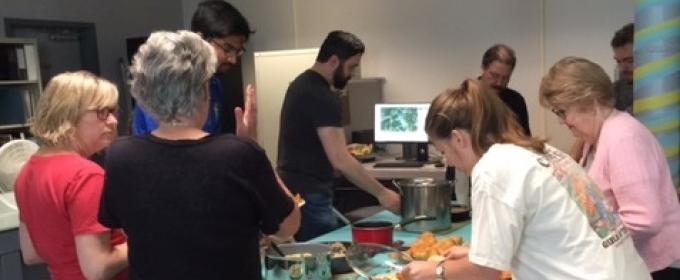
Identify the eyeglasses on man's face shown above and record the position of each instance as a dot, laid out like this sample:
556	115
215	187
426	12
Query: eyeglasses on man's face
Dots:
104	112
229	49
561	113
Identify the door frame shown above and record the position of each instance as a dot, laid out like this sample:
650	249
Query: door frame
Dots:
89	55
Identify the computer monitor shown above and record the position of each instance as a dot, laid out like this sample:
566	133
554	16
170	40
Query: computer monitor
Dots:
403	123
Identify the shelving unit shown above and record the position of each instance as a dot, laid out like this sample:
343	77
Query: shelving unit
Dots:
20	84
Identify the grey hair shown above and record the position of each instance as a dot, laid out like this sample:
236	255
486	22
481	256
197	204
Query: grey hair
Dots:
169	74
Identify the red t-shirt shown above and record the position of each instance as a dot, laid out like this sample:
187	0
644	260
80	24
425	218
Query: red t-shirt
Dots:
58	198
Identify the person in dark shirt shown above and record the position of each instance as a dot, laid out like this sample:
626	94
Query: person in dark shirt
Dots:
498	63
227	30
312	143
622	45
192	204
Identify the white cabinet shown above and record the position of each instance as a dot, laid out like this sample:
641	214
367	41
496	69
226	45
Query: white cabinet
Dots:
275	70
20	83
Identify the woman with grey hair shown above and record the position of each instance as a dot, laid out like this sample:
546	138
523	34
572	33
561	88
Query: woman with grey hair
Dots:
192	204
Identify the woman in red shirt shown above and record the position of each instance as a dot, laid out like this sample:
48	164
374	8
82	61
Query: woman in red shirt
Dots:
58	190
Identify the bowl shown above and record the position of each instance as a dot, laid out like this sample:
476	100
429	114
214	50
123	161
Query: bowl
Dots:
339	263
374	260
302	261
459	212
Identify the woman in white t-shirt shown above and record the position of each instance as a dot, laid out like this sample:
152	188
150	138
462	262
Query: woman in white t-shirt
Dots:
535	211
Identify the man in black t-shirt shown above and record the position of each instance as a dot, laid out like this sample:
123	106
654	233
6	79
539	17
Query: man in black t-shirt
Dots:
498	63
312	143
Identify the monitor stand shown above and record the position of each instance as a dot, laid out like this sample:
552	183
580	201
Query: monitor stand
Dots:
415	152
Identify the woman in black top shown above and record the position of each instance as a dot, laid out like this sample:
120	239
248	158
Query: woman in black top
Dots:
193	205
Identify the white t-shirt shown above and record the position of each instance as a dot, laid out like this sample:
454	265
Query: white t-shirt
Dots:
542	217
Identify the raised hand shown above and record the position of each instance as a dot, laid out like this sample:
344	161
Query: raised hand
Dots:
246	120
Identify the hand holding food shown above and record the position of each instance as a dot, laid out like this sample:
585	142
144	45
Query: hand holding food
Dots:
506	275
420	270
456	252
299	201
427	247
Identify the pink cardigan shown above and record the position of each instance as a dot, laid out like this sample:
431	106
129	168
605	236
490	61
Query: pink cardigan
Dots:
631	169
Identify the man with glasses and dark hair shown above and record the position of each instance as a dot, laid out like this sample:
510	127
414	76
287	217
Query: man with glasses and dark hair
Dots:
227	30
312	143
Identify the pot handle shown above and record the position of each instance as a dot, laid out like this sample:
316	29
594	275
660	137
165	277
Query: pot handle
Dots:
340	216
394	183
416	219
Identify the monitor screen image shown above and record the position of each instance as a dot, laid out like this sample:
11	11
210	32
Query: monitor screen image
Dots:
401	123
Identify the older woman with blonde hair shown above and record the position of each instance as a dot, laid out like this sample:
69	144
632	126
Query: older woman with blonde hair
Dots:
535	211
622	156
58	190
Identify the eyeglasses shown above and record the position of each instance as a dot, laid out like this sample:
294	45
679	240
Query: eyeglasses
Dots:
561	113
627	60
229	49
104	113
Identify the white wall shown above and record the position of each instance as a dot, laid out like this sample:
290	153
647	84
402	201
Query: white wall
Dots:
423	47
581	28
114	21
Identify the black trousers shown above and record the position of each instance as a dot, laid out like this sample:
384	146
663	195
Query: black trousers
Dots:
668	273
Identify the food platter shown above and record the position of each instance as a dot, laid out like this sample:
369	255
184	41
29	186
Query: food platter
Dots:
372	260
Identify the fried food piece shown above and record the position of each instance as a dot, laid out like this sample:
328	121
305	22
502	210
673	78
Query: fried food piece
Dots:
435	258
426	247
457	240
359	150
419	253
338	250
506	275
299	201
442	246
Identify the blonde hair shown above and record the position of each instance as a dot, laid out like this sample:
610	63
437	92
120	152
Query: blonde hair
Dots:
474	107
576	81
66	98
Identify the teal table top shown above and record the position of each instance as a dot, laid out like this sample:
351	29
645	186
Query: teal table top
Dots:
345	233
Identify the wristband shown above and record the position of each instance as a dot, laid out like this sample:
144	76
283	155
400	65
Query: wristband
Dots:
440	270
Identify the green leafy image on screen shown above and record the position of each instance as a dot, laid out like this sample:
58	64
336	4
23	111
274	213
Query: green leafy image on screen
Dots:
399	119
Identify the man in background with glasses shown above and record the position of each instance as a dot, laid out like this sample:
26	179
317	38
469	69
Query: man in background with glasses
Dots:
498	63
227	30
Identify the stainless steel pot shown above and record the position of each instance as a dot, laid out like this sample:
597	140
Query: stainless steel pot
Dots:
428	197
302	261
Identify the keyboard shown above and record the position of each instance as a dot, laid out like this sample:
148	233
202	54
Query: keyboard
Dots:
399	164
